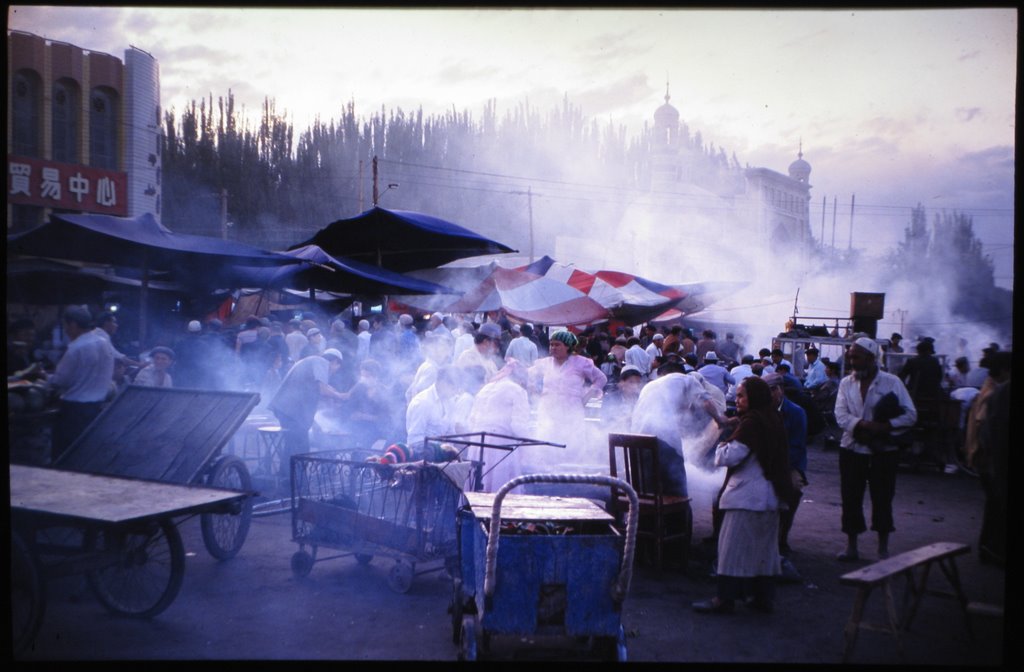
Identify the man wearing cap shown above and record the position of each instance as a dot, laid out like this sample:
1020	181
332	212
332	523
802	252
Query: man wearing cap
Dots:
522	348
483	351
653	350
636	356
867	457
82	378
363	346
189	360
296	401
815	370
617	404
715	373
155	373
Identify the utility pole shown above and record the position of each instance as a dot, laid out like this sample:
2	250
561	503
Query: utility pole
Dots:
529	201
224	214
853	198
360	185
823	205
376	195
834	205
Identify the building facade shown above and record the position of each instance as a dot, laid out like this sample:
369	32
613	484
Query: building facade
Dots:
771	206
83	131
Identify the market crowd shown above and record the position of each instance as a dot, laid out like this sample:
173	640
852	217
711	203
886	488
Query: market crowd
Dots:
370	383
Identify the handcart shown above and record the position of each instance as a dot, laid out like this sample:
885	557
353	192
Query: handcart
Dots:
542	565
472	445
404	511
127	544
174	436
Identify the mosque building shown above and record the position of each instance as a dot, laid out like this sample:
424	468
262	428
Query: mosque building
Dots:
705	198
84	131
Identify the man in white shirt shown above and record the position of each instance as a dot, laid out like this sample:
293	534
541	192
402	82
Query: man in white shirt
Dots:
637	356
295	339
867	455
82	377
430	412
363	345
815	370
522	348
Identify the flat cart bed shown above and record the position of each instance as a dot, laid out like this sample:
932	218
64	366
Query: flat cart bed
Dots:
119	532
75	497
537	507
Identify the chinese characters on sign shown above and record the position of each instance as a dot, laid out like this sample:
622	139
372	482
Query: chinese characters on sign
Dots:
44	183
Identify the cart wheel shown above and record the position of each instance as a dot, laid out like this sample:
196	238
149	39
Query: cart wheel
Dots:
224	533
302	564
467	639
28	596
400	577
143	571
363	558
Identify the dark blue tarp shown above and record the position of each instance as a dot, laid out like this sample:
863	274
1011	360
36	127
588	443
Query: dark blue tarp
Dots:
401	240
329	273
139	242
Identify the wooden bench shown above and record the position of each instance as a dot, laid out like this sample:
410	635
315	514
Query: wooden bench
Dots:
918	561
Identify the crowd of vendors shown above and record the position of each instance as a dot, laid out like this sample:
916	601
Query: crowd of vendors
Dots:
387	382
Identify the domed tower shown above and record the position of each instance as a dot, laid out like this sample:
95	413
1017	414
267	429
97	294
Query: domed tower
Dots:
664	146
800	170
666	124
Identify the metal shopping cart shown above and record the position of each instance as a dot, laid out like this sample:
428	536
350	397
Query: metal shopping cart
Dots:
403	511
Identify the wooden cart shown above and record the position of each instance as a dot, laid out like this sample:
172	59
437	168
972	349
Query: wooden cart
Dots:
119	532
173	436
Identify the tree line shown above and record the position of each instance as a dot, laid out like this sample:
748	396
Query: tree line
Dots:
282	186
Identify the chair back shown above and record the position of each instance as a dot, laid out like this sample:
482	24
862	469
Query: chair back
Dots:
640	466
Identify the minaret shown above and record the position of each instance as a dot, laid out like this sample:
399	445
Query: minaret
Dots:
800	170
664	146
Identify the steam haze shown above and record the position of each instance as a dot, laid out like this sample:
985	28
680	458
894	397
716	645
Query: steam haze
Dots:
896	107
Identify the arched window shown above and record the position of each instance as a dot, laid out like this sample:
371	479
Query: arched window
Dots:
66	113
103	124
27	113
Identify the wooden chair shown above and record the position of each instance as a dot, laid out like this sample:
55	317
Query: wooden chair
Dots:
663	518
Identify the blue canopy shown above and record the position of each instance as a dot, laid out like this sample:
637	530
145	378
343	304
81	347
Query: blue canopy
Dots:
328	273
139	242
401	240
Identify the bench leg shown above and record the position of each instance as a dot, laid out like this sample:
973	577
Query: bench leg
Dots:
915	591
948	567
894	620
853	625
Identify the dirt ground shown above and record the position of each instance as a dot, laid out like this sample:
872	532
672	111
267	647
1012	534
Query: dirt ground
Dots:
253	608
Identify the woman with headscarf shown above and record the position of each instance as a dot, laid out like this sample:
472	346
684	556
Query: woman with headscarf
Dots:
561	384
757	482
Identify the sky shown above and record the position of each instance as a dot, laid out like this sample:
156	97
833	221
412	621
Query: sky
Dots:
891	107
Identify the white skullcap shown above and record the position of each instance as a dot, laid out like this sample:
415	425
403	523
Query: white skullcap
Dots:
195	327
869	345
332	352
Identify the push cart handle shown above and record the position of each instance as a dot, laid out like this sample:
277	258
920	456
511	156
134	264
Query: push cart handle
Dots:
621	587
